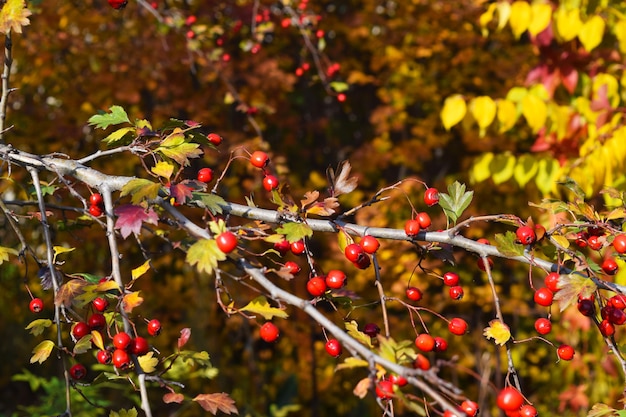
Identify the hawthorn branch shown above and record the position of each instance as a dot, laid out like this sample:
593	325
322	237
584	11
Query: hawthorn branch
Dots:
6	73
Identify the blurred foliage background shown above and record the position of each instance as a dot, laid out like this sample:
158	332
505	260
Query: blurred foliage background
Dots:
400	60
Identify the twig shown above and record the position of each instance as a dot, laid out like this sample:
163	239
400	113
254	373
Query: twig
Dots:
6	73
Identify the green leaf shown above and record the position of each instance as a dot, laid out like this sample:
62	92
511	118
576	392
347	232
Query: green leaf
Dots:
339	86
211	202
205	255
352	362
103	120
295	231
603	410
177	148
118	135
140	189
396	352
260	306
506	244
37	327
42	351
353	330
124	413
192	357
456	201
83	345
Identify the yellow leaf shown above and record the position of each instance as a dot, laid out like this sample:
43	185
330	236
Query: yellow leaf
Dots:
498	331
483	109
620	32
547	175
541	16
525	169
205	255
260	306
58	250
504	13
163	169
502	167
535	112
591	33
570	287
352	362
353	330
454	109
37	327
42	351
481	169
96	339
487	17
140	189
612	87
131	300
140	270
148	362
13	16
520	17
561	240
568	23
107	286
5	252
507	115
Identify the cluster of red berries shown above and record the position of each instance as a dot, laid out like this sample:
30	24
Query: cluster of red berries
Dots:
96	205
358	253
511	401
596	239
297	248
260	159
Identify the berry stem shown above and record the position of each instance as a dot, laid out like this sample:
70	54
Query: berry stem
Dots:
381	294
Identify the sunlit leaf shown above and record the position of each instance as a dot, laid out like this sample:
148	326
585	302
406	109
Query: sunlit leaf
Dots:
96	339
362	388
185	334
131	217
454	109
498	331
541	17
42	351
455	201
148	362
570	287
295	231
352	362
591	33
123	413
483	110
217	402
205	255
506	244
502	167
140	270
5	252
38	326
481	169
173	397
260	306
211	202
118	135
535	112
507	115
83	345
68	291
140	189
547	174
525	169
13	16
353	330
340	181
115	116
568	22
163	169
561	240
131	300
521	15
177	148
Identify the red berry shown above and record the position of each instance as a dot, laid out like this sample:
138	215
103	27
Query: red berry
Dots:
413	294
384	389
335	279
363	262
341	97
96	321
398	380
190	20
354	252
259	159
283	246
470	408
552	281
543	326
269	332
214	138
431	196
565	352
292	267
421	362
509	399
297	247
606	328
457	326
528	411
100	304
104	357
581	239
609	266
451	279
424	220
205	175
78	371
594	242
619	243
425	342
456	292
448	413
117	4
369	244
95	199
441	344
120	358
333	348
412	228
139	346
481	264
316	286
526	235
121	340
617	316
543	297
586	307
36	305
81	329
226	242
270	182
95	211
154	327
618	301
371	329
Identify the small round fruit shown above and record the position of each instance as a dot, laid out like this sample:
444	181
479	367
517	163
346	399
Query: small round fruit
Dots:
282	247
36	305
618	301
81	329
205	175
269	332
354	252
362	263
78	371
509	399
333	348
528	411
424	220
565	352
215	139
457	326
456	292
451	279
421	362
586	307
412	227
95	211
543	297
226	241
100	304
154	327
96	321
441	344
606	328
292	267
117	4
526	235
470	408
121	340
335	279
431	196
425	342
297	248
316	286
139	346
543	326
609	266
96	199
552	281
398	380
120	359
259	159
384	389
414	294
594	242
369	244
104	357
619	243
371	329
617	316
270	182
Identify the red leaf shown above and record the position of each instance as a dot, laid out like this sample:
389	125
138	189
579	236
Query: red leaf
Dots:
569	78
218	401
184	337
180	192
130	218
173	397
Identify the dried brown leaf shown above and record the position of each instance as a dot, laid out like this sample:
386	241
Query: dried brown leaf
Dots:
219	401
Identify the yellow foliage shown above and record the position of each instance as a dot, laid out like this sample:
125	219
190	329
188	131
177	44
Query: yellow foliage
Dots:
591	33
498	331
525	169
507	115
568	23
13	16
521	15
502	167
480	169
535	112
454	109
548	173
620	32
541	16
483	110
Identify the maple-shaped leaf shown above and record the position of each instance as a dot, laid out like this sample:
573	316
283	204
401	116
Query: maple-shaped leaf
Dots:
140	189
13	16
83	345
173	397
115	116
131	300
211	202
131	217
353	330
177	148
284	272
571	286
69	291
148	362
180	192
219	401
185	334
42	351
260	306
341	182
37	327
295	231
455	201
123	412
310	197
506	244
163	169
205	255
603	410
5	252
498	331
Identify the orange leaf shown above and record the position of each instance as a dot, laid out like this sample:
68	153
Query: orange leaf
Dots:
173	397
131	301
68	291
219	401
